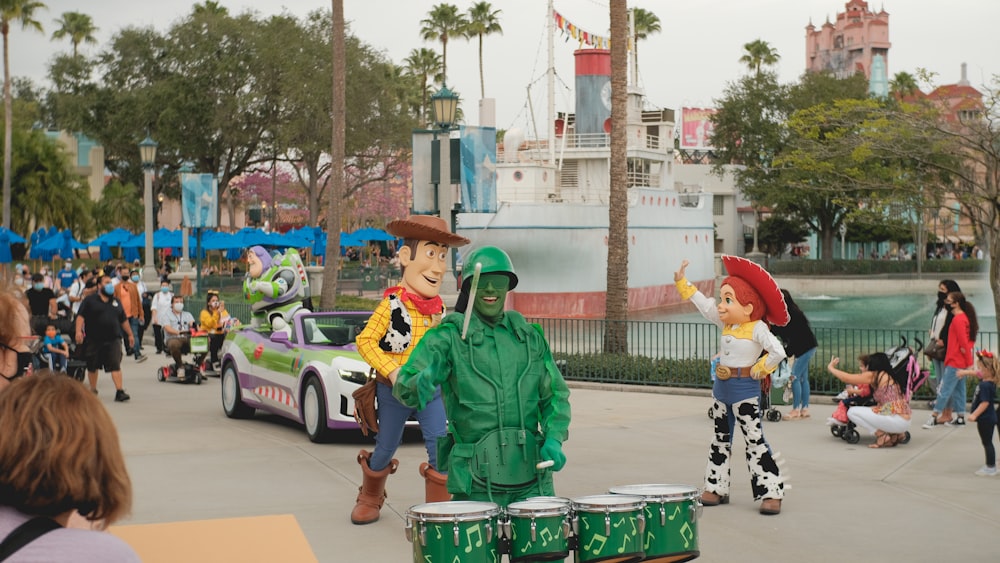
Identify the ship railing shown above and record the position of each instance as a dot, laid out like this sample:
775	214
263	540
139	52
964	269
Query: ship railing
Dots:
643	179
533	150
678	354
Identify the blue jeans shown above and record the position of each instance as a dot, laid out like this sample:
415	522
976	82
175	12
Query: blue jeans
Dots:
952	389
133	323
392	417
800	379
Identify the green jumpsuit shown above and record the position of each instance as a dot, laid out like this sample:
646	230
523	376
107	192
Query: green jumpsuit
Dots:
503	395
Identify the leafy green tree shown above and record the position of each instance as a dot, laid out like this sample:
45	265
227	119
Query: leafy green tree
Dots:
45	192
903	84
778	231
645	24
120	206
758	54
18	12
443	22
482	20
425	65
79	27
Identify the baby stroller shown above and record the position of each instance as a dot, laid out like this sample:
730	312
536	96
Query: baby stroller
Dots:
903	360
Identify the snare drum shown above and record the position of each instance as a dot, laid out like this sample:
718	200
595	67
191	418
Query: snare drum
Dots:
538	529
672	513
609	528
454	531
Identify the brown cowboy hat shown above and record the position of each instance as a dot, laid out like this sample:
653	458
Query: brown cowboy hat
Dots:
425	227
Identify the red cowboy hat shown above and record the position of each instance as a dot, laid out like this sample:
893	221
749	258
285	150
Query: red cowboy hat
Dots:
425	227
753	274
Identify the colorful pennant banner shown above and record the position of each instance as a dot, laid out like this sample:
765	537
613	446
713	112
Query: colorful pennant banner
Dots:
570	29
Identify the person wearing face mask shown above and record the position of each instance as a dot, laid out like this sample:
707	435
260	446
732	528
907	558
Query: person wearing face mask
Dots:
507	403
100	324
15	333
212	319
159	307
128	293
42	303
67	275
177	326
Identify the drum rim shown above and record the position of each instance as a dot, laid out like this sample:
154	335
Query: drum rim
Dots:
623	503
634	490
486	510
545	507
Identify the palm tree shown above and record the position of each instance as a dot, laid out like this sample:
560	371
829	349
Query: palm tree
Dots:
645	23
78	27
759	53
483	20
442	22
903	84
424	63
338	146
212	8
12	11
616	303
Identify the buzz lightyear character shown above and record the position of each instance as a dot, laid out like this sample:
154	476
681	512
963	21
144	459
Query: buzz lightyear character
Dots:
275	286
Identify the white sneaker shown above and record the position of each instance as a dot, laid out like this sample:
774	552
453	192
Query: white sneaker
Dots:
987	471
931	422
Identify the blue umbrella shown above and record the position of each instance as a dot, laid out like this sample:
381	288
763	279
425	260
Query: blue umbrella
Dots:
12	236
112	238
161	239
288	240
371	233
105	252
131	254
5	257
249	236
62	244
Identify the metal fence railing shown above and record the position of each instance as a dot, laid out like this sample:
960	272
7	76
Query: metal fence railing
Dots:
661	353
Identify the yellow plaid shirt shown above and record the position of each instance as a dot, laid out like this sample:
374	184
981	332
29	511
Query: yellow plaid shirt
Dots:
368	341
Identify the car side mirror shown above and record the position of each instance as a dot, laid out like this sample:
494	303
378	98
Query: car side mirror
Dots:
280	337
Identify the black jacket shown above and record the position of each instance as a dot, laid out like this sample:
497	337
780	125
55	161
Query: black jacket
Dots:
797	335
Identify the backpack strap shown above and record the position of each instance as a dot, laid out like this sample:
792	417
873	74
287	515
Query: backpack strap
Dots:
25	534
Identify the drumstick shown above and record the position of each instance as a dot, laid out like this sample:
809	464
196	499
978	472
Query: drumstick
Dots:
472	298
544	464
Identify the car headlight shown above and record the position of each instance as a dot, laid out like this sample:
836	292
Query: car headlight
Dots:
358	377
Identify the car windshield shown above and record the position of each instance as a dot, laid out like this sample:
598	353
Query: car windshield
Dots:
332	330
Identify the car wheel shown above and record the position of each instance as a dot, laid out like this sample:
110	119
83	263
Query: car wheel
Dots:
232	400
314	413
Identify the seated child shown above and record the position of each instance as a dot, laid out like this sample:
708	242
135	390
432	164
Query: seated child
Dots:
57	348
853	395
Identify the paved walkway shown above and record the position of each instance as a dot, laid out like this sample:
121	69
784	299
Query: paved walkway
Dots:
189	462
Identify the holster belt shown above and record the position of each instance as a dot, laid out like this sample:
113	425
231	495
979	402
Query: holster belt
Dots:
726	372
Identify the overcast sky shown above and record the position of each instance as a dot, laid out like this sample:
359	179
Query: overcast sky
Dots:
687	64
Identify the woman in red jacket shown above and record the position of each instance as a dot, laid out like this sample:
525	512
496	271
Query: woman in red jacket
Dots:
961	343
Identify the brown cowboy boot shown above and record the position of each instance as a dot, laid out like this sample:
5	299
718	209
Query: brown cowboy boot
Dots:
435	488
371	493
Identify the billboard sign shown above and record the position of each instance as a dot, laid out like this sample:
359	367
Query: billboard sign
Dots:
199	200
696	128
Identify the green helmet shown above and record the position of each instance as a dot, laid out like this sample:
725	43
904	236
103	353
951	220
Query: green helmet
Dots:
494	261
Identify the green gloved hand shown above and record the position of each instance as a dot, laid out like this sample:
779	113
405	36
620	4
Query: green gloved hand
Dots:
552	450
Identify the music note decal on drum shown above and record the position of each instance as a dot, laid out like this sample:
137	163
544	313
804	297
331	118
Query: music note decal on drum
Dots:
479	537
687	534
677	512
598	549
546	540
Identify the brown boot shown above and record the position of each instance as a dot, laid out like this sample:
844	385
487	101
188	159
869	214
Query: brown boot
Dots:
371	493
770	506
435	483
708	498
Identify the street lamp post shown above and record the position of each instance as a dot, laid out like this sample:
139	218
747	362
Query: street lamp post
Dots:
147	153
444	105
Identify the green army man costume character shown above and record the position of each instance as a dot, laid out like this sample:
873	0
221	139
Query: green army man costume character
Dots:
507	403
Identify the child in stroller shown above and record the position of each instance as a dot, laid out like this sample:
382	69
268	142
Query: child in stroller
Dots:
905	367
853	395
54	351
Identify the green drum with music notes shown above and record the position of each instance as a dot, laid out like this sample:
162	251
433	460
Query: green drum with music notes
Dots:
445	532
609	528
538	529
671	513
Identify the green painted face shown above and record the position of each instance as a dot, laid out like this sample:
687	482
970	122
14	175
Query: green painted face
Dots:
491	296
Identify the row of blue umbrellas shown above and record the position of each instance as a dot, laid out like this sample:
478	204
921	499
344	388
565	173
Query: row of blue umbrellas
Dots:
47	244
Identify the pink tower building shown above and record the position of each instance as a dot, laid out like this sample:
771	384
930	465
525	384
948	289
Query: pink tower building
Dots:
847	46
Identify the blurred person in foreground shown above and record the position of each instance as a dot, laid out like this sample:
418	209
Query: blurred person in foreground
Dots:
15	335
62	462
